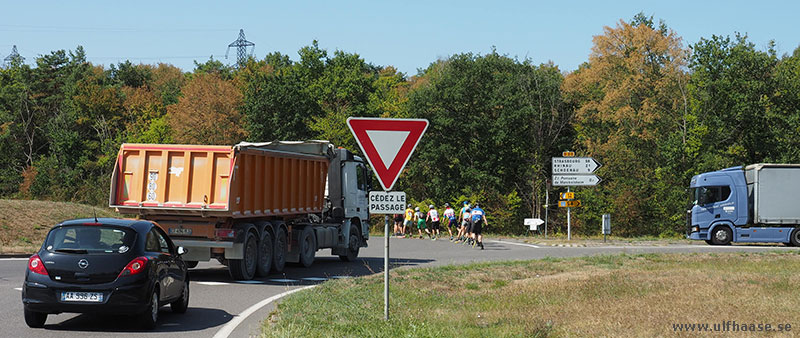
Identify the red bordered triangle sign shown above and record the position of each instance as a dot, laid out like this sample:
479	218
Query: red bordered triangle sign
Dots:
387	144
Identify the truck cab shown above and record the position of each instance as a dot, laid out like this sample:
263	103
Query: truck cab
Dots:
719	202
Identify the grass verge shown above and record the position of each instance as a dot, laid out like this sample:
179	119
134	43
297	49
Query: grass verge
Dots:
24	223
617	295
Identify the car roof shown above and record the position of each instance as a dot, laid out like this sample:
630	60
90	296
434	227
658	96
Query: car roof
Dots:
135	224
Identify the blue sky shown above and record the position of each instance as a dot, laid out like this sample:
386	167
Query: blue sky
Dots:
406	34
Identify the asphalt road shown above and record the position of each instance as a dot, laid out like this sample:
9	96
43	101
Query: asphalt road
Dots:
216	299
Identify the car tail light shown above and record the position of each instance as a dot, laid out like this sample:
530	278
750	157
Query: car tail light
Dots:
36	265
135	266
225	233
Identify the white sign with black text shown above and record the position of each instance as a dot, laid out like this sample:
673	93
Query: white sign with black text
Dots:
383	202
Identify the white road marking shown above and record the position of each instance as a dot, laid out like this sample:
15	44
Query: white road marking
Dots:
213	283
18	289
315	279
341	277
14	259
520	244
249	282
226	330
283	280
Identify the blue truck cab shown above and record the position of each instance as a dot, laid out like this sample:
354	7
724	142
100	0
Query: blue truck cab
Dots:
757	203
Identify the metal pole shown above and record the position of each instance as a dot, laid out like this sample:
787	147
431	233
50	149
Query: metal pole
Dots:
546	208
569	223
386	272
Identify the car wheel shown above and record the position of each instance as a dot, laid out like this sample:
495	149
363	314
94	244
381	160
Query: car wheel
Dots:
181	304
279	252
265	252
150	317
352	249
35	319
245	268
308	247
795	239
191	264
722	235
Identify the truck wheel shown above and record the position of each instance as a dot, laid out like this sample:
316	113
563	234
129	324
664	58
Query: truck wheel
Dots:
722	236
352	250
264	255
245	268
279	252
795	239
191	264
308	247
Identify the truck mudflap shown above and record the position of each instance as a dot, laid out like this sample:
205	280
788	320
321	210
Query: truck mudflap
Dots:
201	250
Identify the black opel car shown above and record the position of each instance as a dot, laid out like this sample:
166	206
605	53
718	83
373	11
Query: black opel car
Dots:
106	265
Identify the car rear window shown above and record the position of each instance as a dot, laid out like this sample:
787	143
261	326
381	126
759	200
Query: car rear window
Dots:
85	239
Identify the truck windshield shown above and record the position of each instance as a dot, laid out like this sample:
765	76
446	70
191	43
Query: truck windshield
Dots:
711	194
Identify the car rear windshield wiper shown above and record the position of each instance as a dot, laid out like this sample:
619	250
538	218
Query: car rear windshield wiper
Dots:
77	251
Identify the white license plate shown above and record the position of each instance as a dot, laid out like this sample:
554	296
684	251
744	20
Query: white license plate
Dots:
180	231
93	297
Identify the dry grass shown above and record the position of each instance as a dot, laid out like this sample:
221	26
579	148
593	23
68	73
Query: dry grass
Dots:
621	295
23	223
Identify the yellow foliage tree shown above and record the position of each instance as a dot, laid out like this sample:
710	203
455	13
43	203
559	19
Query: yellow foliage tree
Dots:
208	112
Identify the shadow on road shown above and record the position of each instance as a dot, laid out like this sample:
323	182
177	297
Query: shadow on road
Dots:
195	319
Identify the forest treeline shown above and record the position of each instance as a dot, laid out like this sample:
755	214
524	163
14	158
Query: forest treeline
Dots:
652	110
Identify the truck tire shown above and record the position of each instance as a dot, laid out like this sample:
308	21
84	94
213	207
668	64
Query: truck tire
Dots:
722	235
279	251
308	246
795	239
265	253
245	268
352	249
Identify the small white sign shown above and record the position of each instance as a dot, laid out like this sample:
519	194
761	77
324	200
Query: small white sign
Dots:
606	224
382	202
573	180
533	223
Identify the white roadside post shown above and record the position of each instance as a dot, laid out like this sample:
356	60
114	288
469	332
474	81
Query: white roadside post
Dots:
388	145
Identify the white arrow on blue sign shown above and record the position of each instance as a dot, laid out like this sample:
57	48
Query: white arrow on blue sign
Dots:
574	165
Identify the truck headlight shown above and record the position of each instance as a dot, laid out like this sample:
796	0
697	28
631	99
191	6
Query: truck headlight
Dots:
695	229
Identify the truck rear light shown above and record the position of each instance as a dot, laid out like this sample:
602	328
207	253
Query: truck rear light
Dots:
135	266
36	266
225	233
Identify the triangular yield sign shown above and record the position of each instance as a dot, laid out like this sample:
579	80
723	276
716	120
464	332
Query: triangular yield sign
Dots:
387	144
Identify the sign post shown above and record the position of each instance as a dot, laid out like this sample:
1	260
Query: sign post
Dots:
573	171
387	144
606	226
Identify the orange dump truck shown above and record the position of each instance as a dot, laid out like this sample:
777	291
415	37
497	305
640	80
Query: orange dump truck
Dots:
252	206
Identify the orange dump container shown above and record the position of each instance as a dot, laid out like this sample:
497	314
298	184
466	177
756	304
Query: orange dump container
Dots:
222	181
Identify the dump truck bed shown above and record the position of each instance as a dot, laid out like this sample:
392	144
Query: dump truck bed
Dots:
245	180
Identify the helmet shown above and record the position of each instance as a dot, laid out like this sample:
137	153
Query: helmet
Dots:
430	206
477	205
447	205
409	205
466	203
416	209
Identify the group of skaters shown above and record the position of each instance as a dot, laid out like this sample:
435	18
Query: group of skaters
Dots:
465	227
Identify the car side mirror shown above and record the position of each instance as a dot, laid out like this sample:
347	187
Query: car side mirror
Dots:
182	250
